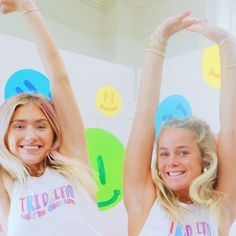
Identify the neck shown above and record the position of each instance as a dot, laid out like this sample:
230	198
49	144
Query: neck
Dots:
185	198
37	170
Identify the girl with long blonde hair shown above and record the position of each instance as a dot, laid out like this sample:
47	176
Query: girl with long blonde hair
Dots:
46	185
192	184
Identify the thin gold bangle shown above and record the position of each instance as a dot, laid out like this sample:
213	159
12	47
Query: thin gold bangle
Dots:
29	10
228	67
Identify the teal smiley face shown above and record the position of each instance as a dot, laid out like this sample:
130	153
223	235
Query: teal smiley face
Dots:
106	154
172	106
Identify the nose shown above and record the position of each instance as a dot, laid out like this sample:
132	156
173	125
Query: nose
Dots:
30	134
173	160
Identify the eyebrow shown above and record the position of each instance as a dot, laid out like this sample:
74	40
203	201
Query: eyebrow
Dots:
23	121
178	147
183	146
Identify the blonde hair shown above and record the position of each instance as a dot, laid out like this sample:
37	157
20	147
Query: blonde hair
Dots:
69	167
202	188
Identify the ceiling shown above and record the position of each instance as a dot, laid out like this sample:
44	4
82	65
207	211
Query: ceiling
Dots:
104	3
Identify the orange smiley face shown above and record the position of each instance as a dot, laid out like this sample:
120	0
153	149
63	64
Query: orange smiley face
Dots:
108	101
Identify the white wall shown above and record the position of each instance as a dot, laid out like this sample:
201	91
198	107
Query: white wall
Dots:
117	30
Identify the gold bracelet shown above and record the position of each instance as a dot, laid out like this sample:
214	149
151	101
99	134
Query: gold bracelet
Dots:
227	40
157	47
156	51
228	67
29	10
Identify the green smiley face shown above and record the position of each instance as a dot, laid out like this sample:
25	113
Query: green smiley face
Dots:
106	154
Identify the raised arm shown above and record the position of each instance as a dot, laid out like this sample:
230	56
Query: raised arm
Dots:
226	143
139	189
73	134
227	135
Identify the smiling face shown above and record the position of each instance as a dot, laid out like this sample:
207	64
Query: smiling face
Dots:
106	153
179	160
30	136
108	101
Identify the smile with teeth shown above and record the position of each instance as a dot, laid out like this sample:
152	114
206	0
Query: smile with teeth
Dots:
30	147
175	173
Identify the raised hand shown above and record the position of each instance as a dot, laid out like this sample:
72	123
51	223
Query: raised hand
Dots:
213	33
8	6
174	24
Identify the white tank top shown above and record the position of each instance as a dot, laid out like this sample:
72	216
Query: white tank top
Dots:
232	231
50	205
196	222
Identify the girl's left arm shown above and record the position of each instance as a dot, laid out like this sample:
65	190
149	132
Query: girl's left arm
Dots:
226	139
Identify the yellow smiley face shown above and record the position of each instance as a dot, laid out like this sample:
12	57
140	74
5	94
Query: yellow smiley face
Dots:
211	67
108	101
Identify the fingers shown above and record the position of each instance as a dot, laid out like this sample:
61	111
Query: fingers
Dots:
184	20
198	26
183	15
189	21
7	6
5	2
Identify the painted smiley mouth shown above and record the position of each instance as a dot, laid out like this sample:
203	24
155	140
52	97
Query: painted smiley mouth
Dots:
115	196
108	109
214	74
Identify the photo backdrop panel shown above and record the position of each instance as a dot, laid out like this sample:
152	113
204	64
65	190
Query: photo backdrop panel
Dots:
190	86
186	76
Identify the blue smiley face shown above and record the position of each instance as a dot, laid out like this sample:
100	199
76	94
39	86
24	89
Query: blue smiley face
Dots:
27	81
172	106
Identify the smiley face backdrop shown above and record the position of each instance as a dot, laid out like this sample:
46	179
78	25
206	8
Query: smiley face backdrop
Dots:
190	86
107	94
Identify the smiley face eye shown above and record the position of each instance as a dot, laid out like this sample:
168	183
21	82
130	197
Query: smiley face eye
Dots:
101	170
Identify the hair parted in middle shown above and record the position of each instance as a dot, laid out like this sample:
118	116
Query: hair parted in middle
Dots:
67	166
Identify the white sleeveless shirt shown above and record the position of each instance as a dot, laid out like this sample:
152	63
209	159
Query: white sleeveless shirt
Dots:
51	205
232	231
196	222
